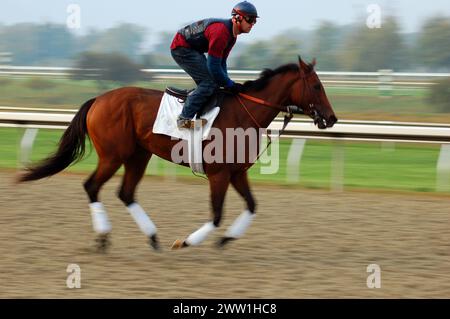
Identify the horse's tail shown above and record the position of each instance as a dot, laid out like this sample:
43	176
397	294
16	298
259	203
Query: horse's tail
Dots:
71	148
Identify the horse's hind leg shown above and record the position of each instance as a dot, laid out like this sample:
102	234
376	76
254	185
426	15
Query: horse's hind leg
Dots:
240	225
134	170
105	170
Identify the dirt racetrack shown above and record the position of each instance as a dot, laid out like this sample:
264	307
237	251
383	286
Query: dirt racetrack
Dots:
303	243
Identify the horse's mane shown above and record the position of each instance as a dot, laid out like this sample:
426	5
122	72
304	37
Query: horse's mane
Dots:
267	75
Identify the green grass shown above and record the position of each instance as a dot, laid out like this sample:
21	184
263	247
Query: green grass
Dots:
348	103
63	93
404	167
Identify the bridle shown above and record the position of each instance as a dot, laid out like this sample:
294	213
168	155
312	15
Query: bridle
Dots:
314	113
290	109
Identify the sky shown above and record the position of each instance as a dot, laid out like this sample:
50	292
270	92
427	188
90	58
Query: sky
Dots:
170	15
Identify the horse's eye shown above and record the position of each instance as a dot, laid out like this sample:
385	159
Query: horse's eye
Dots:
318	87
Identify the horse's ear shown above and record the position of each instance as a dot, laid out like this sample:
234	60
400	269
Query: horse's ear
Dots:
301	64
314	62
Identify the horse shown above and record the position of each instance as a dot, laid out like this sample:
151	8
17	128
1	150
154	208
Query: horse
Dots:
119	123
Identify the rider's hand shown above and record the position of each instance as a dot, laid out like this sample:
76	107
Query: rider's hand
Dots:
236	88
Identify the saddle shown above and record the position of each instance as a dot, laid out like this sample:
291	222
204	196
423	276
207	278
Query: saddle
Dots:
214	101
181	94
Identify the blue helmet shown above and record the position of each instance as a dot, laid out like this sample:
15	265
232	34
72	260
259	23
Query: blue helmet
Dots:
245	9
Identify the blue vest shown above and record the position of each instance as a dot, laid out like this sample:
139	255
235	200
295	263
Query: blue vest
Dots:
195	33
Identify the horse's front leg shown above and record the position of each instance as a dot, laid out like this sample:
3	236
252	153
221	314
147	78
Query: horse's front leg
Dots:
240	225
218	184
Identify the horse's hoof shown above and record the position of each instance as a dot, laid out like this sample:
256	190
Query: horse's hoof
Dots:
178	244
102	243
223	241
154	243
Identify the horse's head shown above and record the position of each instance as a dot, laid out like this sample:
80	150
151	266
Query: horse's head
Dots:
309	94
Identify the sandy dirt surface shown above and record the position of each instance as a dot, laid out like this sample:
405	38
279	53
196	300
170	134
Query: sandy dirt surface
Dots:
303	243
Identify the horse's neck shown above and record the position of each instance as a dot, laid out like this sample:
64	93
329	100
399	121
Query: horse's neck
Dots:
276	93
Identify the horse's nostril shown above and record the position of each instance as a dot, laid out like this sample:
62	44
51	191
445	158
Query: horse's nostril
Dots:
331	121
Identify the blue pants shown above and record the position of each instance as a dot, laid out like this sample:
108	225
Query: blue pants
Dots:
194	63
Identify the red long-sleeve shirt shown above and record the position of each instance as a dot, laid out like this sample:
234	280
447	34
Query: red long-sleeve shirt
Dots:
218	37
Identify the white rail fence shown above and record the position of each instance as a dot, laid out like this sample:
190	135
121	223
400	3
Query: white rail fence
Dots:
383	79
299	130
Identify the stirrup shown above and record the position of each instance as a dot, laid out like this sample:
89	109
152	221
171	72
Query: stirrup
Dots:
190	124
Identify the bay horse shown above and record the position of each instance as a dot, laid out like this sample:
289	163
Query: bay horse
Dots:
119	124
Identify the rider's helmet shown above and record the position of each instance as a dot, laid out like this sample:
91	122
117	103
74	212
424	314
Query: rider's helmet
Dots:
245	9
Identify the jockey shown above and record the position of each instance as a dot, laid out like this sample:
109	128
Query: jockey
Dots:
215	37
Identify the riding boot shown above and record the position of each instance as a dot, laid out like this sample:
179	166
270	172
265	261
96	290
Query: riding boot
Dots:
183	122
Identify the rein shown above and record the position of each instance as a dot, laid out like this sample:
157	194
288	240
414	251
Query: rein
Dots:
287	118
290	110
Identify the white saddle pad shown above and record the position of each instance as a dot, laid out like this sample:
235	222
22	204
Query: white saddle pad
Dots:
166	123
166	120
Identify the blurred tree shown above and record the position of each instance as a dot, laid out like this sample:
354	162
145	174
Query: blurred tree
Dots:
148	60
302	38
325	46
153	60
32	44
284	50
107	67
125	39
374	49
256	56
345	48
268	54
160	56
433	48
164	42
88	40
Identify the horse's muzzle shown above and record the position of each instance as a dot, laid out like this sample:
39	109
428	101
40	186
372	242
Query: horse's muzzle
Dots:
320	122
323	123
331	121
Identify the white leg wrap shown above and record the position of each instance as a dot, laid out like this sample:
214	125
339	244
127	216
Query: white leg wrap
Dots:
142	220
100	218
240	225
200	235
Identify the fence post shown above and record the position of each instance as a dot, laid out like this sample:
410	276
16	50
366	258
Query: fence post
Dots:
26	146
271	155
294	159
337	167
443	169
385	83
388	146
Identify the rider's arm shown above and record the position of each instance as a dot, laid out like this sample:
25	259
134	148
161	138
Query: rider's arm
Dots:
224	66
218	36
218	72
